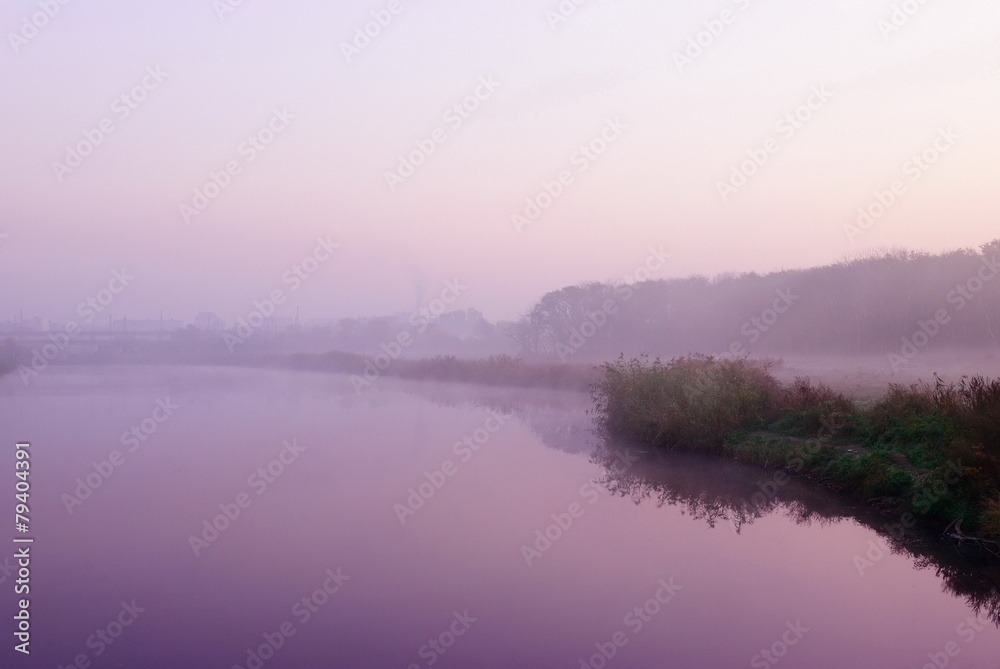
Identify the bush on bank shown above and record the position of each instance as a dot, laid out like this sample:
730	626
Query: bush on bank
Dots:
692	401
933	450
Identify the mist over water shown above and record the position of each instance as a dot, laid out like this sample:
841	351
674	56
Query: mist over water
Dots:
535	535
534	334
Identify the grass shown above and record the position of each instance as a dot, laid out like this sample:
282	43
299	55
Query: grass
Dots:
694	400
933	451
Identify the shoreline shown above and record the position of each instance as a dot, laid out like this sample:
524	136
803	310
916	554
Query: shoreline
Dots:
923	453
927	455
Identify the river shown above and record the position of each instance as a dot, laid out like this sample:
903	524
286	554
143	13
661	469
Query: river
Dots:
204	517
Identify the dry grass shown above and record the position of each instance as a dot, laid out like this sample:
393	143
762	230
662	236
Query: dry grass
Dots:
694	400
892	448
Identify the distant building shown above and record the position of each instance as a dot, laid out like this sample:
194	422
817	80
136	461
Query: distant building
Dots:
141	325
320	323
209	321
462	323
28	325
279	323
154	325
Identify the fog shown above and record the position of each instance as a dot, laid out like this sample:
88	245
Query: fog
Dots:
220	71
891	316
542	333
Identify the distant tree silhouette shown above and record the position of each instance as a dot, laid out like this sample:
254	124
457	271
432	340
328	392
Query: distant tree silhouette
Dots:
866	304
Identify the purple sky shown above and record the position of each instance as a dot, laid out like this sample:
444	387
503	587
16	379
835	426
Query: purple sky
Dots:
673	129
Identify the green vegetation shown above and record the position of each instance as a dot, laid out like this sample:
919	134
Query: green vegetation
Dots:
930	451
694	401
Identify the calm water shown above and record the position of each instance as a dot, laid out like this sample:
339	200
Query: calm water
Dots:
329	562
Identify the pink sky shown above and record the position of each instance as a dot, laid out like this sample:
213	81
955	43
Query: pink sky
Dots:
555	88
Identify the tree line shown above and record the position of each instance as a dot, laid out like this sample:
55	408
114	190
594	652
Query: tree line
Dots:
887	302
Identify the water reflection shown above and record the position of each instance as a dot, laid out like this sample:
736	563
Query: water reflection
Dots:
462	549
720	491
560	418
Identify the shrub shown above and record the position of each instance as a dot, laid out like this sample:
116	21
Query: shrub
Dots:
974	406
703	402
909	419
807	409
690	401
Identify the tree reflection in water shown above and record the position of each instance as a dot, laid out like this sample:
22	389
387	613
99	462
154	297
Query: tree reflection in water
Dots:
717	491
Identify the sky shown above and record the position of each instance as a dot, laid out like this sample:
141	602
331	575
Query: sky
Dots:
203	147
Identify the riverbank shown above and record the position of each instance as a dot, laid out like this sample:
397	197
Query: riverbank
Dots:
497	370
930	454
